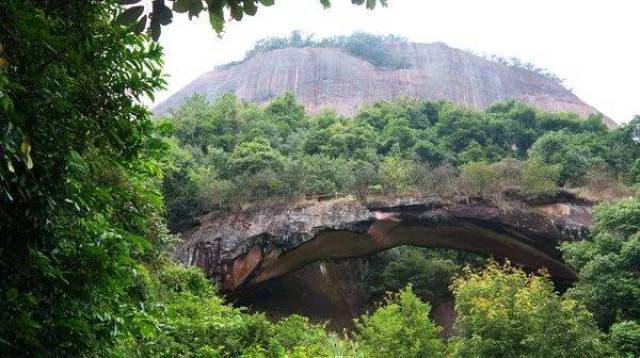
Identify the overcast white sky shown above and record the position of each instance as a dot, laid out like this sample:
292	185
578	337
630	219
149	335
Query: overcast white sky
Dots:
593	44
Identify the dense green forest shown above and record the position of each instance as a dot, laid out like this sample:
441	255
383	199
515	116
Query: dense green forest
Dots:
88	179
229	154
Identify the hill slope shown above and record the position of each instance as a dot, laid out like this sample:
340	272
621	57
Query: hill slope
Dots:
333	78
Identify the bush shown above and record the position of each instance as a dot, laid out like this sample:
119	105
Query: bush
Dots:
503	312
399	328
394	175
364	175
181	316
428	271
608	262
540	179
508	172
177	279
624	338
569	152
439	180
477	178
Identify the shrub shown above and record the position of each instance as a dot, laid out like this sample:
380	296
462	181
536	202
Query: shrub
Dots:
477	178
364	174
177	279
600	185
608	263
508	172
431	153
394	175
375	189
428	271
573	157
624	338
503	312
297	335
399	328
439	180
540	179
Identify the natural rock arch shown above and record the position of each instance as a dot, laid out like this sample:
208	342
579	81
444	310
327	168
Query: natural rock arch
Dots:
248	248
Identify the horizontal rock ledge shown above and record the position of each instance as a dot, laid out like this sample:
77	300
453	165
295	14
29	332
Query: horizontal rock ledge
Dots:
246	248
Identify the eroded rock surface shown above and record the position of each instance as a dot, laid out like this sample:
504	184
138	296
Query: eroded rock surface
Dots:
248	248
332	78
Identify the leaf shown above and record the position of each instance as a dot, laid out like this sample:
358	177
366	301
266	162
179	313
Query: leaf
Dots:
10	167
25	147
325	3
182	6
236	11
165	15
154	28
216	18
129	2
129	15
250	7
267	2
141	25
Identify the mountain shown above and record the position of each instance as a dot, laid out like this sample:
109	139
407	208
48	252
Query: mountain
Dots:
334	77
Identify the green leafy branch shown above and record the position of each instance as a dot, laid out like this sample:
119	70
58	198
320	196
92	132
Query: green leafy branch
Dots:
151	15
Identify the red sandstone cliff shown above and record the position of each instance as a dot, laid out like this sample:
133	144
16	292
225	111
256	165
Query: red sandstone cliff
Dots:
333	78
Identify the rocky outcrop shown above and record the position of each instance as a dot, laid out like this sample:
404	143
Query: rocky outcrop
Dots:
333	78
247	248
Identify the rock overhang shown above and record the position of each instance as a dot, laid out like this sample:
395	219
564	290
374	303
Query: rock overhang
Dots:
247	248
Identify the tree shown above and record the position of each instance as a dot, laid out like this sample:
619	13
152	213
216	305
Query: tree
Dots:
251	157
79	203
539	178
477	178
394	174
561	148
399	328
429	272
624	338
608	263
503	312
431	153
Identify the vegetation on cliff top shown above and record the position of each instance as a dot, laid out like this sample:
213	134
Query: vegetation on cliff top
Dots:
375	49
228	154
371	48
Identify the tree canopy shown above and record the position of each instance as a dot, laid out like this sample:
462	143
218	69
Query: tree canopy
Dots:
279	154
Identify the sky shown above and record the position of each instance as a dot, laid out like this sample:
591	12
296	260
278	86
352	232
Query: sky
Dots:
592	44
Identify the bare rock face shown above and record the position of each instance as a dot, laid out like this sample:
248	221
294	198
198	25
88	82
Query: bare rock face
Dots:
333	78
244	249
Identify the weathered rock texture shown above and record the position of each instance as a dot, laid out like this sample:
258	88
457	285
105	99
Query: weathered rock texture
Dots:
244	249
333	78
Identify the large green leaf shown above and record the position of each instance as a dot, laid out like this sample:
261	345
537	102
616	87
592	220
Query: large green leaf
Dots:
129	15
165	15
191	6
141	25
250	7
236	11
216	18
